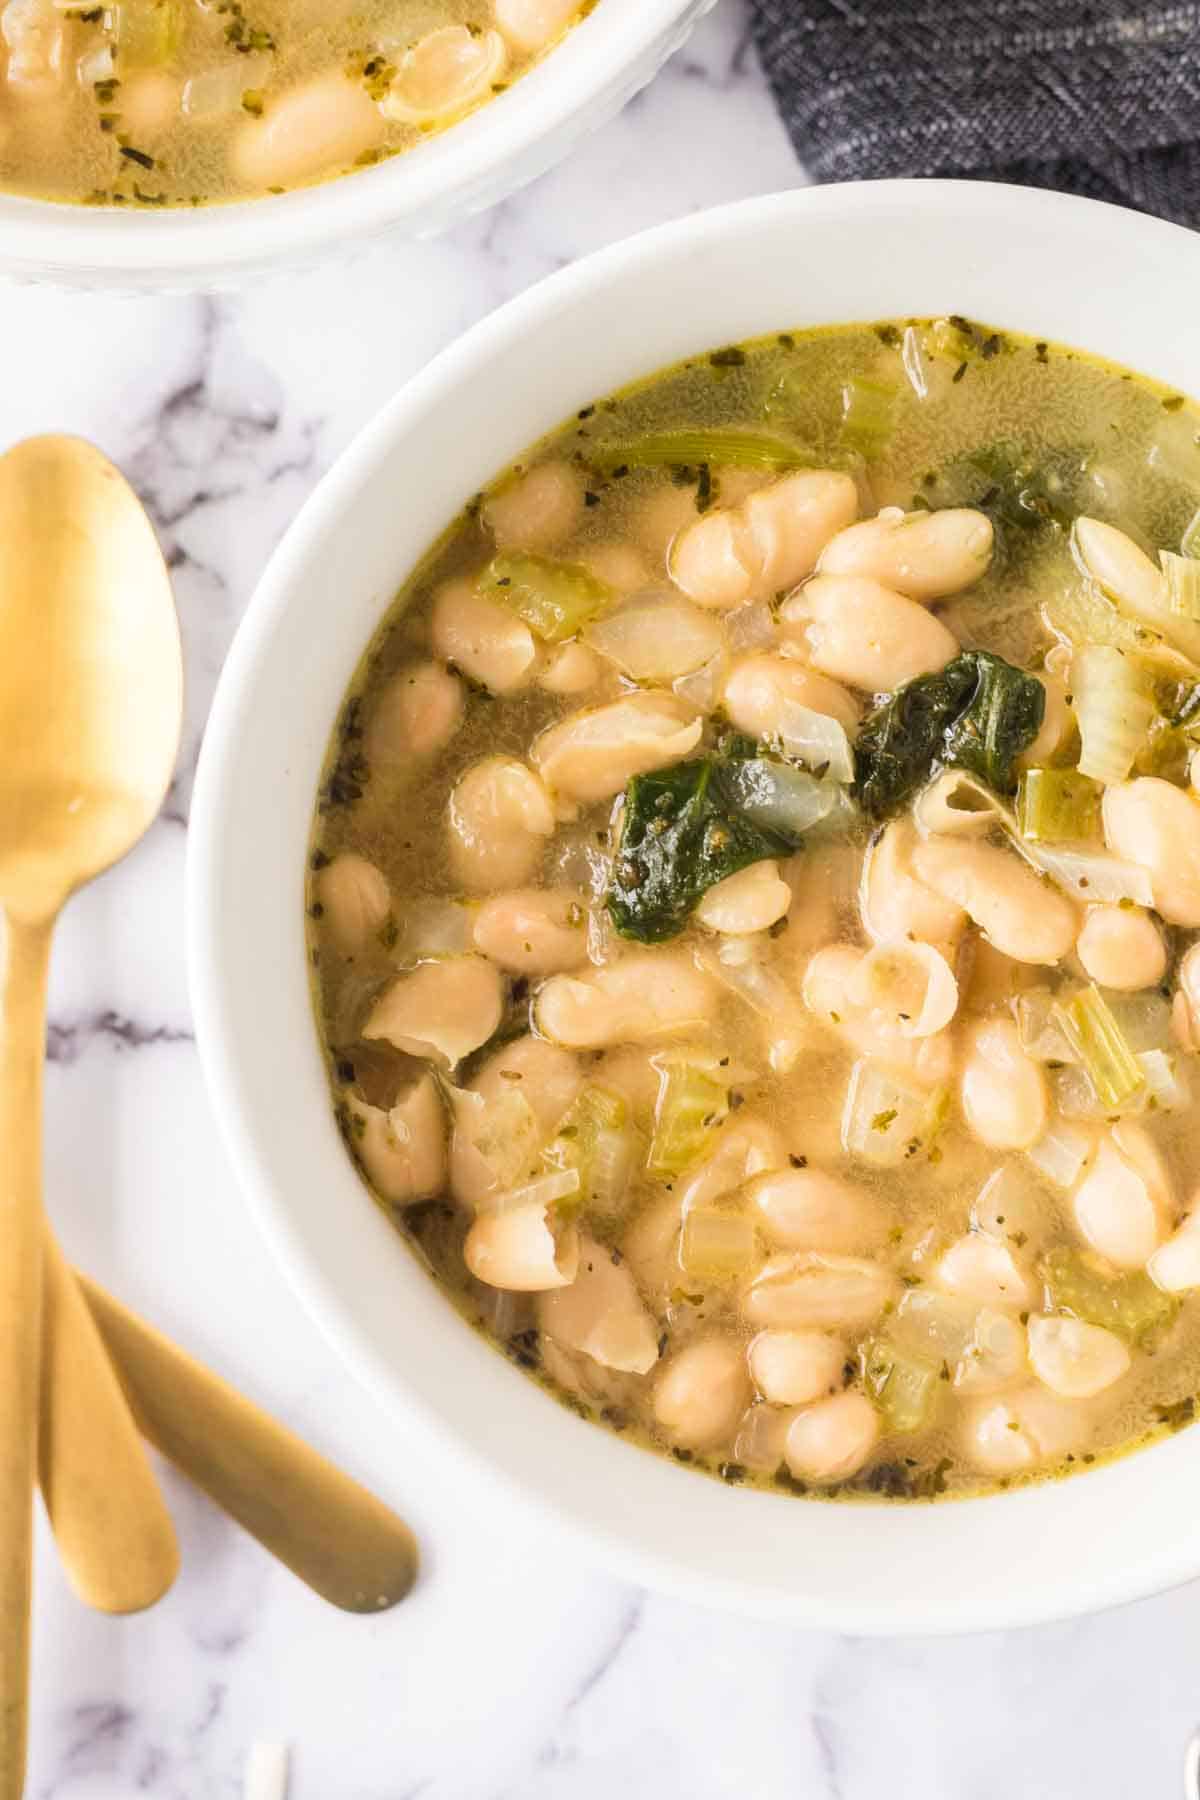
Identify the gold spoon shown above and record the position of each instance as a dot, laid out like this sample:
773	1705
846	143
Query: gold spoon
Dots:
332	1533
90	710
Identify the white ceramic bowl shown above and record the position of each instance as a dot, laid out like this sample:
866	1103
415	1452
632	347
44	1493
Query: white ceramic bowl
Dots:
1112	282
584	81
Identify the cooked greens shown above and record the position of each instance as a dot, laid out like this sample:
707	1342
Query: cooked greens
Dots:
978	713
682	830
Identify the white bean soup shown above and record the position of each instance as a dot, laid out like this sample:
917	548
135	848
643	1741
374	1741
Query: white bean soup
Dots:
754	902
177	102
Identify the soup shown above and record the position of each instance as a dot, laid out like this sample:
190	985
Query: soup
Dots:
178	102
754	903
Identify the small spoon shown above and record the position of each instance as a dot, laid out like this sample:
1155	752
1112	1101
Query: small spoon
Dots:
335	1535
90	712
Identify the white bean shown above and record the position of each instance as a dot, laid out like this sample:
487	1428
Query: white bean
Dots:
1003	1091
925	555
793	1368
444	73
894	904
592	755
818	1289
995	1357
807	1209
325	124
977	1267
641	996
571	669
765	544
355	901
416	714
828	979
833	1439
526	1251
864	634
760	689
442	1010
752	900
537	511
904	989
1138	585
529	25
1022	915
702	1393
1021	1431
533	931
602	1314
1122	947
499	819
1156	825
1074	1359
486	641
1118	1209
403	1150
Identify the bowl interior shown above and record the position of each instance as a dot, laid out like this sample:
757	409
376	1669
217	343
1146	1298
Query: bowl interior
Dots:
1017	259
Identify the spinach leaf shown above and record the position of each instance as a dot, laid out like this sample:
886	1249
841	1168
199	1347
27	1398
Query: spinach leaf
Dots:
978	714
682	831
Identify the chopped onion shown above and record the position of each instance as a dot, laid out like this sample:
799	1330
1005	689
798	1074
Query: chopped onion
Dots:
1092	875
657	637
884	1121
1144	1018
597	1139
736	965
1183	584
543	1191
96	65
1041	1036
781	797
1114	709
1166	1080
1061	1153
218	93
912	355
762	1437
815	739
428	929
1189	543
703	689
750	627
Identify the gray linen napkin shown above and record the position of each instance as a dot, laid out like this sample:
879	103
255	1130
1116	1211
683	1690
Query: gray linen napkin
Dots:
1093	96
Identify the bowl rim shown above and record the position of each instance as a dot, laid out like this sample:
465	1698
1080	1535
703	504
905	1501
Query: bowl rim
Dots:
460	170
1159	1564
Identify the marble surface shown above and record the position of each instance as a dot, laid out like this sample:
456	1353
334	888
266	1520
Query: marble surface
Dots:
514	1673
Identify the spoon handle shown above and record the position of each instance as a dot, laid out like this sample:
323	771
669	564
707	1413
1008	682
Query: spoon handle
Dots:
338	1538
110	1521
22	1049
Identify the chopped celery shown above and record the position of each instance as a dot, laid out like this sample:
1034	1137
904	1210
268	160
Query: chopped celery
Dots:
1127	1303
691	1104
597	1139
555	599
1091	1030
147	33
902	1387
715	1245
1056	806
720	447
1183	584
1114	708
1189	543
867	408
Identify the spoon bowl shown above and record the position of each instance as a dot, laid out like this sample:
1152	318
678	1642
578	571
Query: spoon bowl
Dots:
91	682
